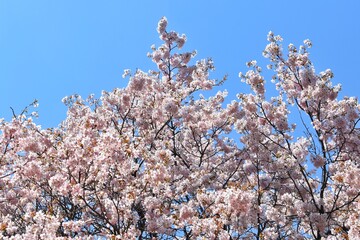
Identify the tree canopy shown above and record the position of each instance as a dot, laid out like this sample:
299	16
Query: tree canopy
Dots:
157	160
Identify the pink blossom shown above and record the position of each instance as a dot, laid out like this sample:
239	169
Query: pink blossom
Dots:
318	161
162	25
185	213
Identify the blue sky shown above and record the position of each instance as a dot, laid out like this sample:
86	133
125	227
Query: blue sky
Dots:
51	49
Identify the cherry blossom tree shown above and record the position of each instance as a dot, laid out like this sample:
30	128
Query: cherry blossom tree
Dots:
157	160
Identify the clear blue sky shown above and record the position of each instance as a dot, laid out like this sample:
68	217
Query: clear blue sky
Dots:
50	49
